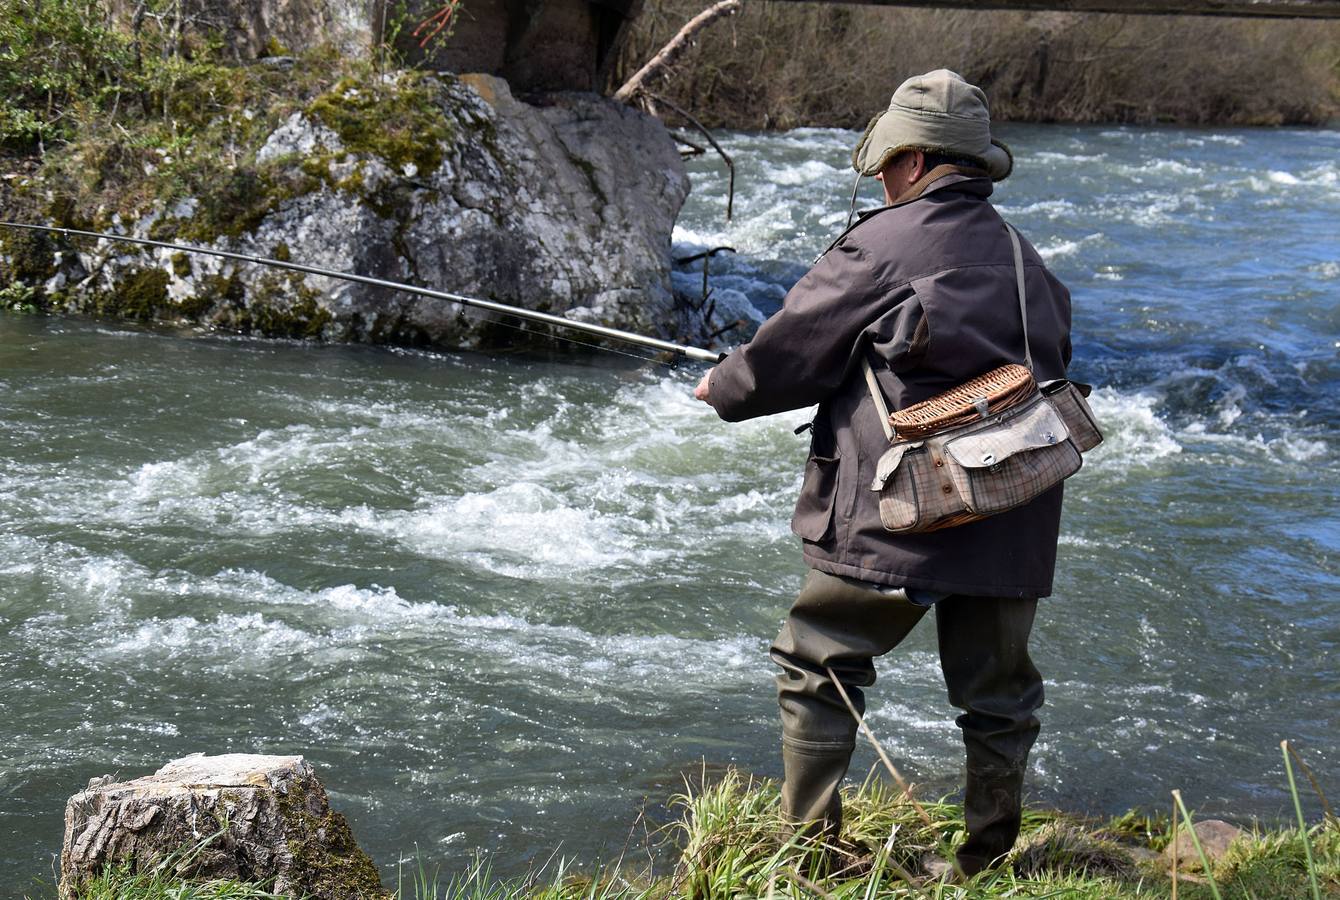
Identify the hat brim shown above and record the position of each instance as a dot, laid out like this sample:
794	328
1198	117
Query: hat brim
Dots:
896	130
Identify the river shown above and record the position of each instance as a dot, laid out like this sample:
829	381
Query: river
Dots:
504	603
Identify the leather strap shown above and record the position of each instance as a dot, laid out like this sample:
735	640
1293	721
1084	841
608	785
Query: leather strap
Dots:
1019	281
878	395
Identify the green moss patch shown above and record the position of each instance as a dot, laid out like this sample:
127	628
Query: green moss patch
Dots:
27	256
139	295
401	122
328	861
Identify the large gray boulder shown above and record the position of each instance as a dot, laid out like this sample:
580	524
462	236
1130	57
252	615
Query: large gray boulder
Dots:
238	816
565	206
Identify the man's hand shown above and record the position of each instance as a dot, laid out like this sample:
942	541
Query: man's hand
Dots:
700	392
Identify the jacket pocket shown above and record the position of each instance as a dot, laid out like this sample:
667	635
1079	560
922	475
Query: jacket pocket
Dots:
813	519
1008	463
896	481
1067	398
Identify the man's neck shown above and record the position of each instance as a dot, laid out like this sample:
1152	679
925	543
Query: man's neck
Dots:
918	187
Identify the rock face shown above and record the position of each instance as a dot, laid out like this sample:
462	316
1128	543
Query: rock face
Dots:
565	207
252	818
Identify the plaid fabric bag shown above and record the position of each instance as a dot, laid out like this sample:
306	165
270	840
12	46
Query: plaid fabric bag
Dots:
978	459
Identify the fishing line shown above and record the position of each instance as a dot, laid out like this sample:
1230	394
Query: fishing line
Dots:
559	337
679	350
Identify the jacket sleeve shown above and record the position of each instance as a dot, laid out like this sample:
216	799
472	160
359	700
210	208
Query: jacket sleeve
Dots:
805	352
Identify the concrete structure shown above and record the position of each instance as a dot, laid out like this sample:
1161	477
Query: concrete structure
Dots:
537	45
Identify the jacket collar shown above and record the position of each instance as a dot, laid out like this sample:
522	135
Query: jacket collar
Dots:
973	182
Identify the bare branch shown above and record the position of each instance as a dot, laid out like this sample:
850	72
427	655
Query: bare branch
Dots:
671	51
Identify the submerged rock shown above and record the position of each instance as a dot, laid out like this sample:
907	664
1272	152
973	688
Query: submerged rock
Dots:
445	182
238	816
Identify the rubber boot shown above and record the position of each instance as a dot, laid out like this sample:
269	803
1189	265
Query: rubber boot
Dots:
992	812
813	772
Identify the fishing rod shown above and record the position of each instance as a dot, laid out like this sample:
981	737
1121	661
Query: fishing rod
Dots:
695	353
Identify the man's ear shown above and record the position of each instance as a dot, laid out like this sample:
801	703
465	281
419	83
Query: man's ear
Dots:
918	165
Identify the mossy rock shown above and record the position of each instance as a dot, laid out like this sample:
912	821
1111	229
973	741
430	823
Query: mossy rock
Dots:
401	122
27	256
139	294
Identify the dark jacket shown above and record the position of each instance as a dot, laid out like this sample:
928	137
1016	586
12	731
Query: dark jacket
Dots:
927	287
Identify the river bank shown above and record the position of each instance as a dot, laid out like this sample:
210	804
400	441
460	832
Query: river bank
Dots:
727	841
785	65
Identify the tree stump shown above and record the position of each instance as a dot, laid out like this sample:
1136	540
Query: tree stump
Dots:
238	816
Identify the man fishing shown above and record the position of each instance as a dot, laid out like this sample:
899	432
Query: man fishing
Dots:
924	288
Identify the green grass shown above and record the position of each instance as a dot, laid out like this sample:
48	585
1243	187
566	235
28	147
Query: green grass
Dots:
731	844
163	882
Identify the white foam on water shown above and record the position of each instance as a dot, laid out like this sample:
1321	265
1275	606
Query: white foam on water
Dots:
75	583
1327	175
1278	177
683	234
1046	156
250	634
1326	269
1288	447
281	450
1060	248
344	622
1157	212
161	480
1052	209
807	172
1133	433
522	529
827	140
1163	166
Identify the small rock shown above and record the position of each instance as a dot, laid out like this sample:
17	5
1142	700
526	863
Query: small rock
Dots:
1215	836
937	869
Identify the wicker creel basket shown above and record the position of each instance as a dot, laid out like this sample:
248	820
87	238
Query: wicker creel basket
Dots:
1001	388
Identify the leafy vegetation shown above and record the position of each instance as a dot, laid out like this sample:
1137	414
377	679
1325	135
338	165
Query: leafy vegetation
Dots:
149	120
57	56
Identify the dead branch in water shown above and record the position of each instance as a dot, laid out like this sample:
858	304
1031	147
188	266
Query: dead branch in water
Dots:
730	163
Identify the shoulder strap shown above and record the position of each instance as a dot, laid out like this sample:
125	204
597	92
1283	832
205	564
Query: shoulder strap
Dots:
878	396
1019	280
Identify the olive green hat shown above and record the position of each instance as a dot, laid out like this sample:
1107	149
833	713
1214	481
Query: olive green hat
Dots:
935	112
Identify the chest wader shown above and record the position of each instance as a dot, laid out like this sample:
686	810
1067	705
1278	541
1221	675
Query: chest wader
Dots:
843	625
